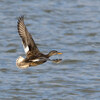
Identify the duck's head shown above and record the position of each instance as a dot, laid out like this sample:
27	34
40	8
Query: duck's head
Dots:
54	52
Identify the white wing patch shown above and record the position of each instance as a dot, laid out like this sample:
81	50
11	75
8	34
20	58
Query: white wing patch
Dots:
26	49
39	59
35	60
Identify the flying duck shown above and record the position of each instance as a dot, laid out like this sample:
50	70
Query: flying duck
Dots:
33	56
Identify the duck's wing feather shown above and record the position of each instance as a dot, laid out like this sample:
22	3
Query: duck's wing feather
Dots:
29	45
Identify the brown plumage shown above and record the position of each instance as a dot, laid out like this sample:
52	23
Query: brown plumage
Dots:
33	55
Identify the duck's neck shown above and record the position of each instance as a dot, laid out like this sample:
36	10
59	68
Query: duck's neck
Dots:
48	55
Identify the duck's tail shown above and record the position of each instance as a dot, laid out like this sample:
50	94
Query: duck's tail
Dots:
21	64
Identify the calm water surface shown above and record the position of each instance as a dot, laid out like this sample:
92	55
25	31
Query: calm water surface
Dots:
69	26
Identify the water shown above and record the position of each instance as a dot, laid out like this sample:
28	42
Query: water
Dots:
68	26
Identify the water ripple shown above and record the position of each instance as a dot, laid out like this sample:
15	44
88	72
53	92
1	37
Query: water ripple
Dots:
70	27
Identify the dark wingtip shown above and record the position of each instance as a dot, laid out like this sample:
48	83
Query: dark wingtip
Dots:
20	18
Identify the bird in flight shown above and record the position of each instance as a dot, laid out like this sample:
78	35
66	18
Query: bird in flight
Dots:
33	56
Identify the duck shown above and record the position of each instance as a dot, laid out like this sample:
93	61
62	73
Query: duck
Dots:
33	55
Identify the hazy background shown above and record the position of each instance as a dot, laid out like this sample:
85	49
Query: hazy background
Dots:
69	26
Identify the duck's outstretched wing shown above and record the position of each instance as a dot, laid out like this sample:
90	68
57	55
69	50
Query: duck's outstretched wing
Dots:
29	45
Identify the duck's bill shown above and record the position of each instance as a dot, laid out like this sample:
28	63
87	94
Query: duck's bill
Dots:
59	53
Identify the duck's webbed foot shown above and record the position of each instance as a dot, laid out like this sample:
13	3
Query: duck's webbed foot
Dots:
55	60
